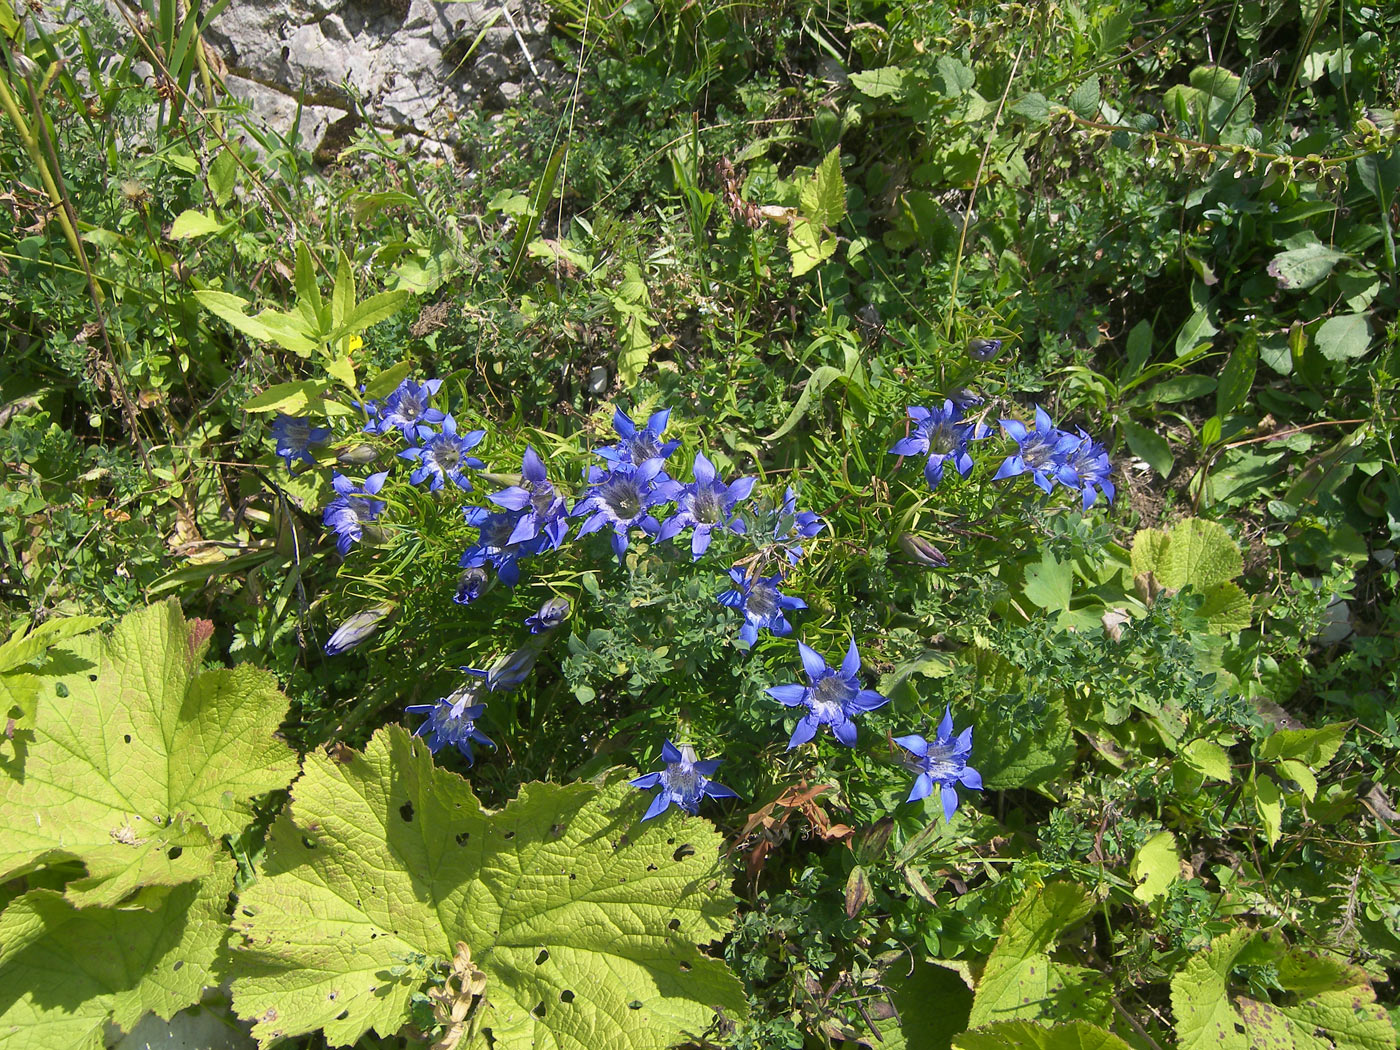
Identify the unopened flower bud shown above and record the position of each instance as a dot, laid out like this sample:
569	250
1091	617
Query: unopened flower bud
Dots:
356	629
983	349
470	585
356	455
550	615
510	671
922	551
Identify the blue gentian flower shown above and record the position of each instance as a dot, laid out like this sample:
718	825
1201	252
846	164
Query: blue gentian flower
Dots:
409	409
356	629
295	436
470	585
549	616
832	697
942	761
793	525
352	508
684	781
623	498
543	508
1091	467
1043	452
452	720
761	603
638	444
444	455
705	505
494	546
942	435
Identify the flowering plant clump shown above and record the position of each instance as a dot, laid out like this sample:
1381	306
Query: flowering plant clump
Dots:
941	763
632	492
833	697
684	781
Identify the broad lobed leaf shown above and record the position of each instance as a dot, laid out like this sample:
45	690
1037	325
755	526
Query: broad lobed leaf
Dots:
584	921
140	761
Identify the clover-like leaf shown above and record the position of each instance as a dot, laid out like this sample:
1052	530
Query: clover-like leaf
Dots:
584	922
140	760
65	972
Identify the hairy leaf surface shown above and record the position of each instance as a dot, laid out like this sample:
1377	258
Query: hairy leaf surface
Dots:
584	921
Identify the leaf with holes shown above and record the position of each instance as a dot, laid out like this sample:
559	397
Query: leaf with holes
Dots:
65	972
584	921
140	760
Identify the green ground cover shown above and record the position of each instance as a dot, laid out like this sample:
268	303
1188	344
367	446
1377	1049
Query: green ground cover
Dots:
972	427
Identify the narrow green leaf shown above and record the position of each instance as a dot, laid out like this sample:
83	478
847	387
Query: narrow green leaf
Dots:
289	398
370	312
1237	378
818	381
1269	807
1197	329
387	381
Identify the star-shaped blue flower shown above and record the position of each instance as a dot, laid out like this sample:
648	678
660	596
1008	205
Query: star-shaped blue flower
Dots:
541	508
409	409
494	546
443	455
295	436
941	762
638	444
762	604
941	434
623	498
353	508
705	505
684	781
1091	467
452	720
1042	452
832	698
